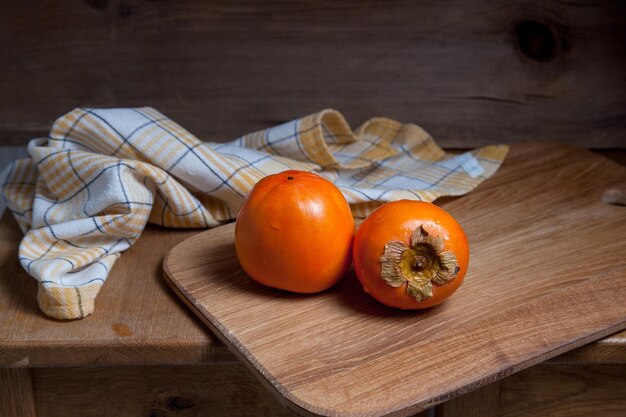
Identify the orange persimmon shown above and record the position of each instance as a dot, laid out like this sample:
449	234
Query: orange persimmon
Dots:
295	232
410	254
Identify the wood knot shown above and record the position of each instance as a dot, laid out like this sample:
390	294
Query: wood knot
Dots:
538	41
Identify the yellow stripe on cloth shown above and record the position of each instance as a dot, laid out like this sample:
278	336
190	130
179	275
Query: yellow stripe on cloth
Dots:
88	190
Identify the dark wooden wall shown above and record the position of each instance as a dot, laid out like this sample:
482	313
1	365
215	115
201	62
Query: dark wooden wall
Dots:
469	72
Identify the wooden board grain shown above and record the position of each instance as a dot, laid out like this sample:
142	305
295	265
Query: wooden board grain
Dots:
565	391
470	73
546	276
224	390
16	393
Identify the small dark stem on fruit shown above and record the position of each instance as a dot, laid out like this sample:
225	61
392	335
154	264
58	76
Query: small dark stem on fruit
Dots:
290	178
419	263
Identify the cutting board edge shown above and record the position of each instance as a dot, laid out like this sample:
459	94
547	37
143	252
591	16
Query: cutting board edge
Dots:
535	360
289	400
284	396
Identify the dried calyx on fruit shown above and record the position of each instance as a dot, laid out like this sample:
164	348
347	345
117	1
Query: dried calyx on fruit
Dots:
410	254
419	265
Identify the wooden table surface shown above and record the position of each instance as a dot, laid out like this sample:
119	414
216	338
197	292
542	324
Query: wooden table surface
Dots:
154	329
157	328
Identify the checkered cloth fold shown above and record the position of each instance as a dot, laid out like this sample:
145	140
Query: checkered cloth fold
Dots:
88	190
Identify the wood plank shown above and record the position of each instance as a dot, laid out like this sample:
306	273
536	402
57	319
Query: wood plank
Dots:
470	73
483	402
153	328
16	393
226	390
565	391
341	353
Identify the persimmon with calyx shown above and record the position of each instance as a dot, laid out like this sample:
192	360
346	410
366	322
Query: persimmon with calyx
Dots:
295	232
410	254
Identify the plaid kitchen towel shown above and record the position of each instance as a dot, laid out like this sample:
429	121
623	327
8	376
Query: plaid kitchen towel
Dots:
88	190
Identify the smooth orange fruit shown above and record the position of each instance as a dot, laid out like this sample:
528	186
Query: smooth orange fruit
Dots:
295	232
410	254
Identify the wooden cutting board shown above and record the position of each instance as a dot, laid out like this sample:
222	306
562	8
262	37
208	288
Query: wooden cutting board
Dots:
547	274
